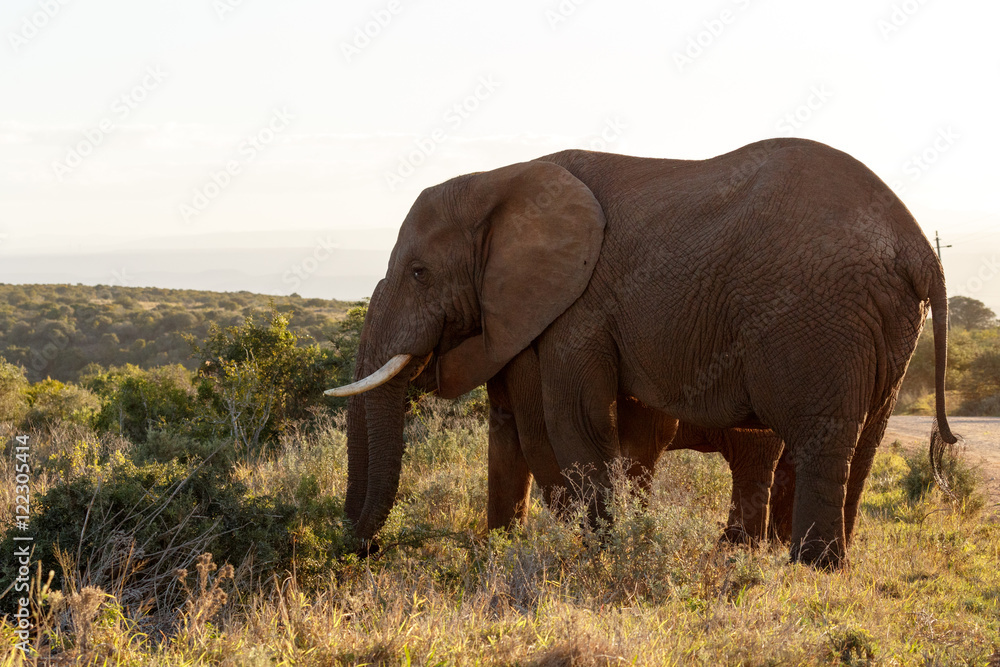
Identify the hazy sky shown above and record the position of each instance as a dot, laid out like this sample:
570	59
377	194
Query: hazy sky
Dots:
136	124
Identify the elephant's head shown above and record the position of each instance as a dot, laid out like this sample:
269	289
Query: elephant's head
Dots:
483	264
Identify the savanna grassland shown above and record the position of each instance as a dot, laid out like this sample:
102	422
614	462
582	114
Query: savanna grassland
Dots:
196	517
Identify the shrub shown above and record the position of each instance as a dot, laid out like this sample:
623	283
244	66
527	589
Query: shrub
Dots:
852	646
51	401
964	480
345	338
973	369
128	524
983	378
135	401
983	407
257	381
13	395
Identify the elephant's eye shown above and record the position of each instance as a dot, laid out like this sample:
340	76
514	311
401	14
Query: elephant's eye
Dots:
420	273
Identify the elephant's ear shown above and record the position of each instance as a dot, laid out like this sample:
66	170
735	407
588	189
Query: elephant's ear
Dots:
542	241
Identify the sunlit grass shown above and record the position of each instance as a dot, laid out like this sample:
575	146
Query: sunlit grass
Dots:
655	587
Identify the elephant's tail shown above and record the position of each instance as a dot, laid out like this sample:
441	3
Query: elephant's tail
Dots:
941	436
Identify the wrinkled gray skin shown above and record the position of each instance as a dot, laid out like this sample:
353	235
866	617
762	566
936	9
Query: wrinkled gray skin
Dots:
519	450
781	284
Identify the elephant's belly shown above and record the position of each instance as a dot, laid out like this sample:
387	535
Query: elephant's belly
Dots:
715	402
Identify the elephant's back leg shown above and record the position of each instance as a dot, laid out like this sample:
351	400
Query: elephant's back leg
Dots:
821	449
861	463
817	405
752	456
779	525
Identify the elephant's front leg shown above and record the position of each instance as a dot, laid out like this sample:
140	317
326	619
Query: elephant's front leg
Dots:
508	477
644	434
579	389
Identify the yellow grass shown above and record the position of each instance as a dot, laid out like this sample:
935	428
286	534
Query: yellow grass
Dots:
922	588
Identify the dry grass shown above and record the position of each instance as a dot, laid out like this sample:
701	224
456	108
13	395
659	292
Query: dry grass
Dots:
923	586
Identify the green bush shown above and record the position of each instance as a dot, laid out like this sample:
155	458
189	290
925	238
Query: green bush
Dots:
135	401
57	330
51	401
13	394
258	382
982	381
964	480
983	407
129	519
345	336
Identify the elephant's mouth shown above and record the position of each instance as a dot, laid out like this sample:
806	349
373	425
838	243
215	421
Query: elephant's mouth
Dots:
421	365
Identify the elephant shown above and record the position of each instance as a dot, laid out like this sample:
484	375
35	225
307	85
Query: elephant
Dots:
782	284
519	450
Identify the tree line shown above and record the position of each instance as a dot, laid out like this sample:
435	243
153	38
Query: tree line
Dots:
57	331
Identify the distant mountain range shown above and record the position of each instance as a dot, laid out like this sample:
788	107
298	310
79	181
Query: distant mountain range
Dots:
336	264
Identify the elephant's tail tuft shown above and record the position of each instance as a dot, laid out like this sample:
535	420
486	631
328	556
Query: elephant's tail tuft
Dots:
942	438
939	447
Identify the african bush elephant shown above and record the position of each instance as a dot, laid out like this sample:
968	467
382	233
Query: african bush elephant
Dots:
780	284
519	450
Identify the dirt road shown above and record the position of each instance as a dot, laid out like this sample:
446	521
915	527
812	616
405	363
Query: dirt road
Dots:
982	443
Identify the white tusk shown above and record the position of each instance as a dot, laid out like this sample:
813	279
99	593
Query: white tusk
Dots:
379	377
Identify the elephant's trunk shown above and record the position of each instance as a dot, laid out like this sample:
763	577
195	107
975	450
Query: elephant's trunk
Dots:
384	413
375	422
357	446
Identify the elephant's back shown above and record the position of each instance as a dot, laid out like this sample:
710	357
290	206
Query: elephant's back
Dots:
706	264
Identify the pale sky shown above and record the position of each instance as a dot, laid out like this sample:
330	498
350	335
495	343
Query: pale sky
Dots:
134	127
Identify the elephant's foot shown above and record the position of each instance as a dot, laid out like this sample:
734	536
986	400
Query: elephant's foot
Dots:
819	554
737	534
365	548
747	521
780	533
